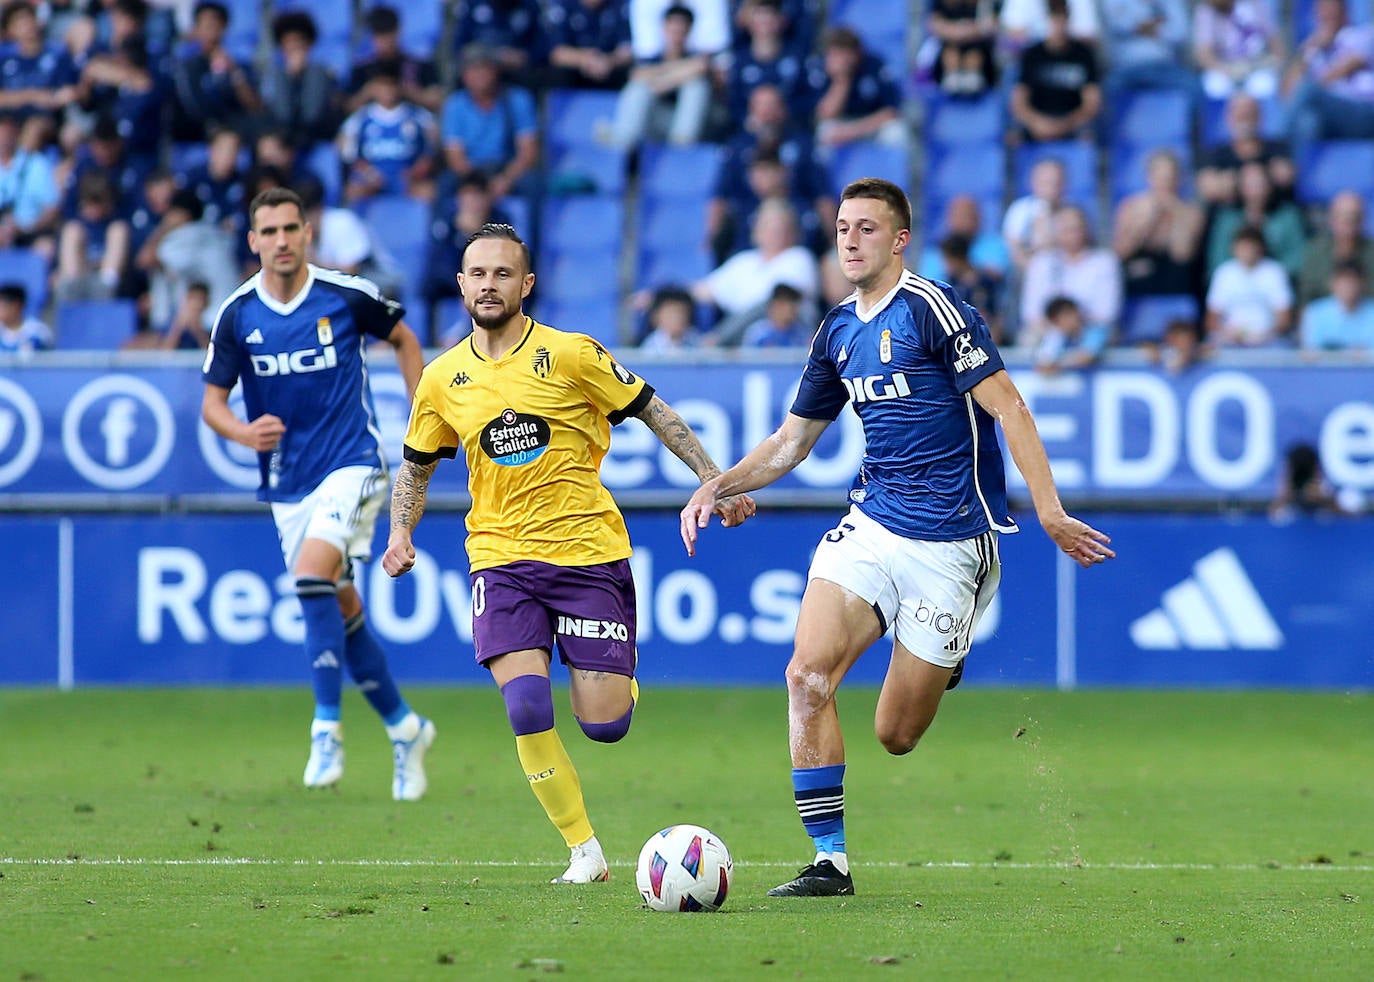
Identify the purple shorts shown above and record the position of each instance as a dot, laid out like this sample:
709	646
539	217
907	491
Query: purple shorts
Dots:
588	610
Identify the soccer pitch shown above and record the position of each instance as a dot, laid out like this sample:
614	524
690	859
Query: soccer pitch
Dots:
1034	834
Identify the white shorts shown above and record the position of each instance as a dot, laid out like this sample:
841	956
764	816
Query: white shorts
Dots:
342	511
933	593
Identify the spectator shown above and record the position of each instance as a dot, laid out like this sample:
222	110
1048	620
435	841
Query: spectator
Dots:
962	55
1345	319
104	152
455	219
987	251
859	98
210	90
20	334
388	146
1218	179
488	127
342	241
1303	487
589	43
1331	83
1073	268
834	287
1237	48
1069	342
1342	241
119	82
1249	301
1024	22
1147	46
1280	222
35	79
1181	347
300	95
512	31
740	287
187	329
1158	235
710	26
768	60
148	212
769	140
799	18
218	182
1028	225
669	93
782	325
671	316
976	286
1056	96
93	247
29	202
182	250
419	79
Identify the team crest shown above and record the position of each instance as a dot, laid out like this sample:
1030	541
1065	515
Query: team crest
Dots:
542	362
324	331
885	347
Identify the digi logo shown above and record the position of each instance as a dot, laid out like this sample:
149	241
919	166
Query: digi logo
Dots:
21	432
118	432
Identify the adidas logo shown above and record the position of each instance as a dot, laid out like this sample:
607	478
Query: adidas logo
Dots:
1214	609
843	356
254	338
325	660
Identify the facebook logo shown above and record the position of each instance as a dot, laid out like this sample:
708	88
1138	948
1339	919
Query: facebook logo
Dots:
118	432
118	426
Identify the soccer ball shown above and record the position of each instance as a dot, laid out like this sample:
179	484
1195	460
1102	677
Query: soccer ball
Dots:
684	868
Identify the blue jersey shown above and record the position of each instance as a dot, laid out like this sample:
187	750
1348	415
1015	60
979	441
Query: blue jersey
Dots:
932	468
305	362
391	140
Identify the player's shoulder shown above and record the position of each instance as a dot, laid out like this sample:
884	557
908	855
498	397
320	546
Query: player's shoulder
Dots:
932	301
244	295
332	280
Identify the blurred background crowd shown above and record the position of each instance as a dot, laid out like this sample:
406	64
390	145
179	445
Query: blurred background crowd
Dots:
1185	176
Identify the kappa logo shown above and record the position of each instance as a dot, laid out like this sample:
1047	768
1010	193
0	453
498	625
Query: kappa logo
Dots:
1215	609
460	379
968	356
254	338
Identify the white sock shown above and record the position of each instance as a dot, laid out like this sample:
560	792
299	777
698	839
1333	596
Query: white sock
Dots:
319	726
838	859
407	729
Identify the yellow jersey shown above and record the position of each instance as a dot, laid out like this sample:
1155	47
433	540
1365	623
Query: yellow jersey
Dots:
534	425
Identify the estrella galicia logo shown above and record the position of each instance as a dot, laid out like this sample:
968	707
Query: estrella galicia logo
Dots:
542	362
515	438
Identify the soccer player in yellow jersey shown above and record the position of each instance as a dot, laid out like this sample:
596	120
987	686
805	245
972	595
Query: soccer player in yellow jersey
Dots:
531	408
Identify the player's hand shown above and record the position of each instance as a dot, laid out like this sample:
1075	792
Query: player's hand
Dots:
265	432
1081	542
697	515
735	509
399	556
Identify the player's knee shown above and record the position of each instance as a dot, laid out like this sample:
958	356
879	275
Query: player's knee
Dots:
611	732
807	684
529	704
901	737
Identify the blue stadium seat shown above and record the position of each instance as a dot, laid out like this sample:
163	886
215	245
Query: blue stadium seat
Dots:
572	115
592	221
584	168
976	169
1129	163
671	223
245	29
1305	16
1153	116
448	312
322	160
1333	166
682	265
1213	120
1078	157
679	172
26	267
869	159
882	24
95	325
422	24
596	316
397	220
965	120
1145	318
580	275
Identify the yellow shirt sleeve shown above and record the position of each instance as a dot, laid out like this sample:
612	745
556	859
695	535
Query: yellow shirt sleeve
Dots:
615	391
429	436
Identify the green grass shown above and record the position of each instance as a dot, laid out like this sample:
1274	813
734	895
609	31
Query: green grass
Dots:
157	833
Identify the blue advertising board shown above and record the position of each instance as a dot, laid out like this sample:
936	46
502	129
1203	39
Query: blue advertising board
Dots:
1123	431
1190	600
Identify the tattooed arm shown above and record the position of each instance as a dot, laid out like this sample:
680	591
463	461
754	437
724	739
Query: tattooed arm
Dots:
678	437
407	505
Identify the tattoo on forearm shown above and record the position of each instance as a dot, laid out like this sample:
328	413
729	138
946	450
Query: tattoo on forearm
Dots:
678	437
408	494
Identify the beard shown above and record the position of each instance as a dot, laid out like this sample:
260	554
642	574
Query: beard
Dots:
490	318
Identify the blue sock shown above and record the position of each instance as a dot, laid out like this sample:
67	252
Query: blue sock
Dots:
367	664
324	642
819	793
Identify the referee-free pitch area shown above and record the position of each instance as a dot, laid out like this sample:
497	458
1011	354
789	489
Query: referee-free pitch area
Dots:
1034	834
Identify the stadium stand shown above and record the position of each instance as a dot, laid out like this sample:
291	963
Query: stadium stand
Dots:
95	325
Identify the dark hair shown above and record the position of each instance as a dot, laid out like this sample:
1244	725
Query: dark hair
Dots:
1347	267
1304	465
678	10
884	191
134	9
105	129
294	22
382	20
271	198
188	201
14	293
1059	305
13	9
1249	233
211	7
840	36
671	293
498	230
955	246
785	292
1057	8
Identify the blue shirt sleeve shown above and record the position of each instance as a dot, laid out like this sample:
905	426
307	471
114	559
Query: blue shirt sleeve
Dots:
375	315
968	349
523	118
222	360
821	394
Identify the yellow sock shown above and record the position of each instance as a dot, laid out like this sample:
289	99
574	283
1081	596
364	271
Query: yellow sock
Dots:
553	779
634	690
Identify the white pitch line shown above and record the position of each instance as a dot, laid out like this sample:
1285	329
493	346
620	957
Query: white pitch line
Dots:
456	863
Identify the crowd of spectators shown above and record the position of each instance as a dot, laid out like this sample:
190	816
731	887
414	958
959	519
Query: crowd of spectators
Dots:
133	132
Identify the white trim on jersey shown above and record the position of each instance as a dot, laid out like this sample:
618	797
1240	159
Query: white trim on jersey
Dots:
940	305
977	481
353	282
246	286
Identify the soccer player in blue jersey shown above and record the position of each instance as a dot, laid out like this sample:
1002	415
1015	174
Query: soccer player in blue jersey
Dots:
917	550
295	335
